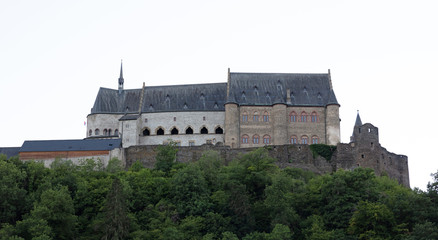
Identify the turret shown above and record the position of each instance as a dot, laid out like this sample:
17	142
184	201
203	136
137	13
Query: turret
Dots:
232	121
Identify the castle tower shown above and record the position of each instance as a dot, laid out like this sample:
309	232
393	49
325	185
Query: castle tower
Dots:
121	80
364	133
280	122
332	124
232	119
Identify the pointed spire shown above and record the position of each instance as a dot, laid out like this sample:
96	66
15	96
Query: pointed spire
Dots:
121	80
358	121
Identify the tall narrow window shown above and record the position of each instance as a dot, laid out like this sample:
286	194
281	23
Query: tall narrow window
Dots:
266	139
90	132
255	139
245	117
255	117
304	140
314	140
245	139
174	131
109	132
204	130
265	117
160	131
314	117
116	132
97	132
303	117
293	117
105	132
293	140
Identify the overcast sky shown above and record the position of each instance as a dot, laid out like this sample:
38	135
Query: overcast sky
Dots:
383	57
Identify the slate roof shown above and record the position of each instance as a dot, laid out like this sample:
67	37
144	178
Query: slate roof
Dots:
71	145
245	89
271	88
10	151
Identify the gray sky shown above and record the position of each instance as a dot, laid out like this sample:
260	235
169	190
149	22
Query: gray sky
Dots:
54	56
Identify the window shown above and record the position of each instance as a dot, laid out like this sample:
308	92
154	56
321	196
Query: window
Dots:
255	118
265	117
96	132
189	130
293	140
314	117
304	140
145	120
174	119
204	130
245	139
255	139
174	131
116	132
146	132
109	132
203	118
160	131
314	140
105	132
303	117
266	139
90	132
293	117
219	130
245	117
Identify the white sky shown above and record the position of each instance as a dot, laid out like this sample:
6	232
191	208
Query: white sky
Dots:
383	55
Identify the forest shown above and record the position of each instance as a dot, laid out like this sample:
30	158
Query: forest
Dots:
247	198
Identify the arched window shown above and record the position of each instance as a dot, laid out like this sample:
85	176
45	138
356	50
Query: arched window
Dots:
204	130
146	132
90	133
266	139
245	117
255	139
189	130
304	140
160	131
314	117
315	140
303	117
293	117
116	132
97	132
219	130
293	140
174	131
109	132
105	132
245	138
255	117
265	117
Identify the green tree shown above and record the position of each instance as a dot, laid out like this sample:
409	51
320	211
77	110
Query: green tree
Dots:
166	157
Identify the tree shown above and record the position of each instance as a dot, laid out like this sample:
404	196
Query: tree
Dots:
166	157
116	220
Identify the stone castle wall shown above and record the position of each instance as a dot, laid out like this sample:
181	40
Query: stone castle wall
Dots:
346	156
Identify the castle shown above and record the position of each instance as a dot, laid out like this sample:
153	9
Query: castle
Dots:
288	112
249	110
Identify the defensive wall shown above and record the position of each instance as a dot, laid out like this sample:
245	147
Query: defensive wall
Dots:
346	156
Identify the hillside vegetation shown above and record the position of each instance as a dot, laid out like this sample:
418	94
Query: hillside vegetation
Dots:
248	198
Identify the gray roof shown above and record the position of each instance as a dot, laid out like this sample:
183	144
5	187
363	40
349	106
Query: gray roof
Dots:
245	89
10	151
71	145
271	88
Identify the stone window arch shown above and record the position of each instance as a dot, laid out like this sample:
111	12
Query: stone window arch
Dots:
90	133
105	132
97	132
109	132
219	130
265	117
293	139
116	132
245	117
266	139
293	117
255	117
245	139
146	132
204	130
304	139
160	131
256	139
189	130
174	131
314	117
303	117
315	140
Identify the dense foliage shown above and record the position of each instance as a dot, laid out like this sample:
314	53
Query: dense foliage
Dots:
247	198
